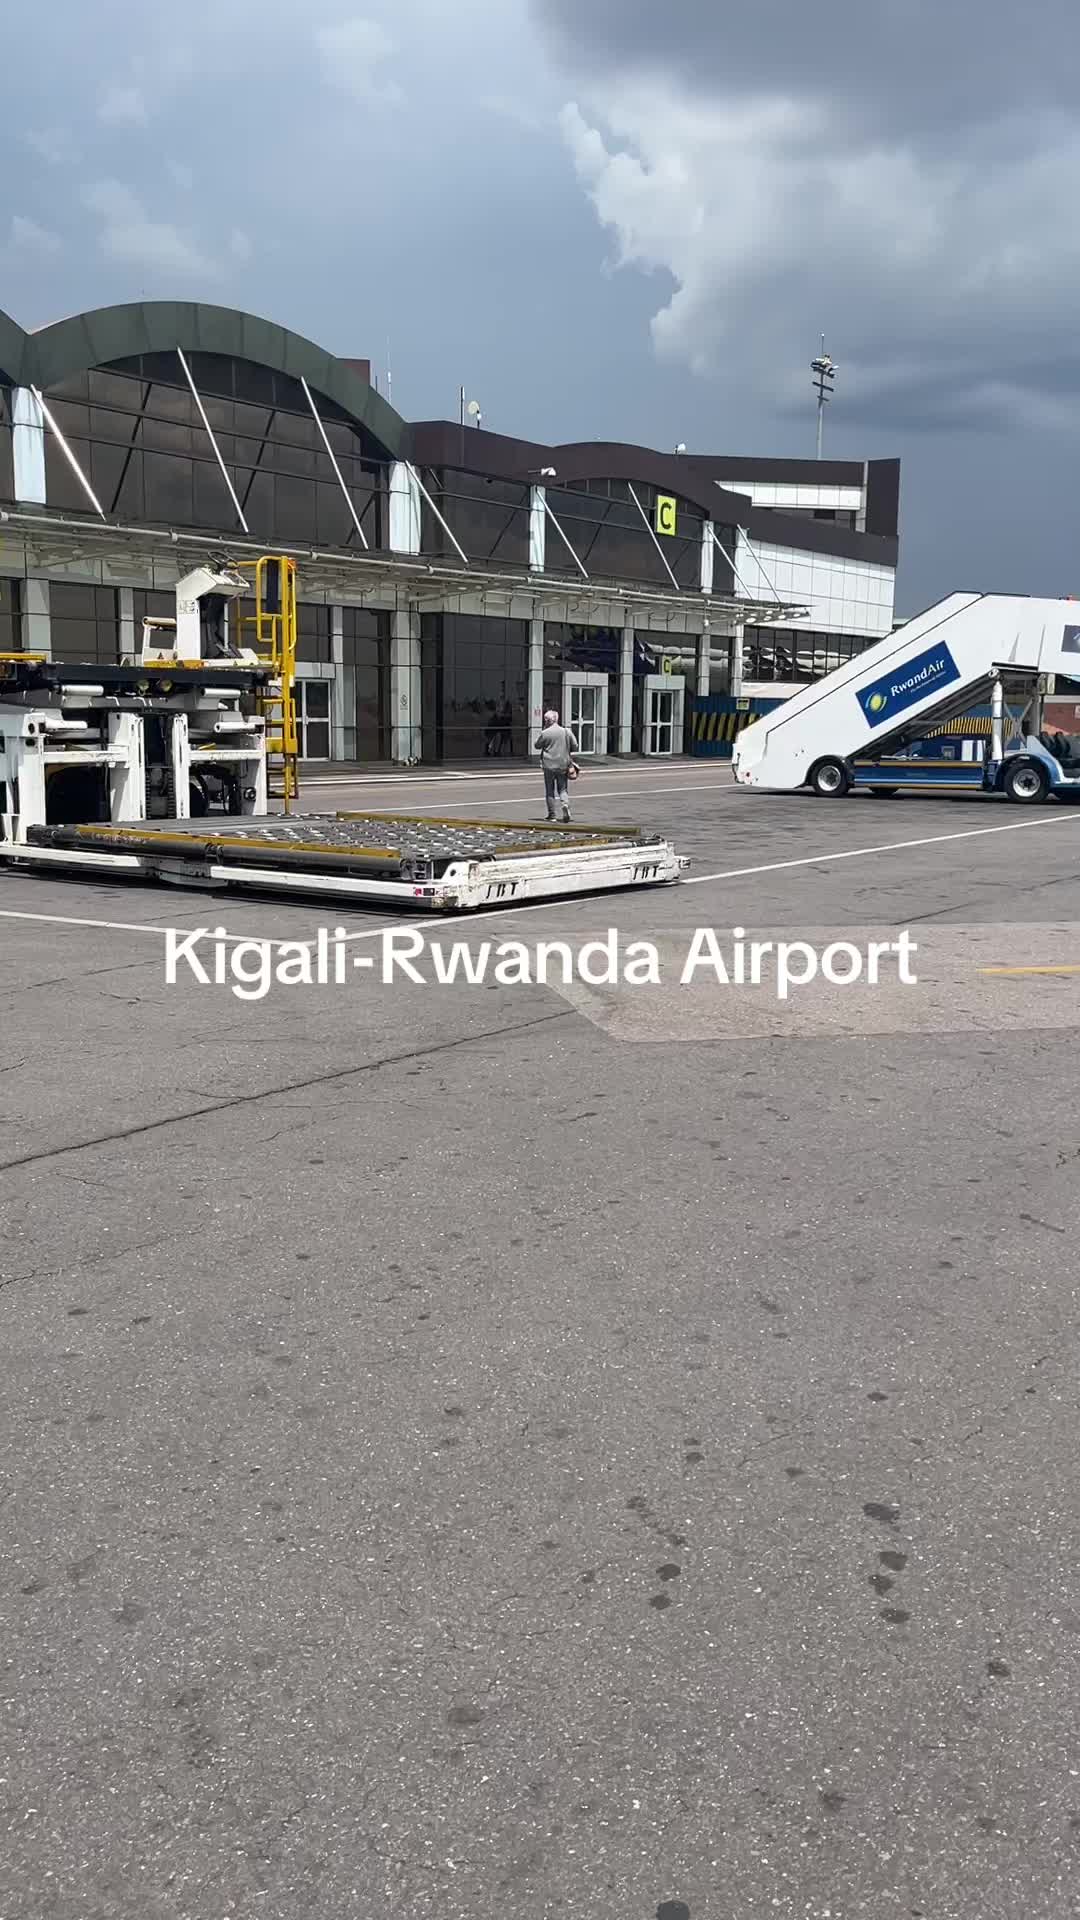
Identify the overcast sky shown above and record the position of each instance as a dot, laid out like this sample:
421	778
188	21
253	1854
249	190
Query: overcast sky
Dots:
608	218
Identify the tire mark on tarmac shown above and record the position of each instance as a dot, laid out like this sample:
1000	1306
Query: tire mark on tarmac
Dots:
46	1154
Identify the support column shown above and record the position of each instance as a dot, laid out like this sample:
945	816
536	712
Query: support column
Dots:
405	697
36	625
125	614
703	665
342	696
536	681
626	692
736	657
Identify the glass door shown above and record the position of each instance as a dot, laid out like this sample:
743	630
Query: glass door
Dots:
582	718
313	718
661	722
585	701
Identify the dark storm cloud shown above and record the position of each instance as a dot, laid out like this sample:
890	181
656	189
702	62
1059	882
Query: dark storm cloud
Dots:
892	63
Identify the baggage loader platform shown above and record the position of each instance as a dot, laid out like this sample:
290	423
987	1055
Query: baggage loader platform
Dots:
413	860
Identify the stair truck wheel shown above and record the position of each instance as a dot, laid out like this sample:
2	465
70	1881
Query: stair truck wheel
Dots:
830	779
1026	783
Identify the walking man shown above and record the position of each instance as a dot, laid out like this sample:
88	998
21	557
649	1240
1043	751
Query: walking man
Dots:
556	746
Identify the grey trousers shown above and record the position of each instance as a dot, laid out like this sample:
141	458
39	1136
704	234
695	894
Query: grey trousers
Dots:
556	789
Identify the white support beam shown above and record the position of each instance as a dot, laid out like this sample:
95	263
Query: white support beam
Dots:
652	536
550	512
346	495
69	456
736	575
210	436
451	536
759	564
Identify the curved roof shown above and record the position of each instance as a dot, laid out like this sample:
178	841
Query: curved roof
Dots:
93	339
12	345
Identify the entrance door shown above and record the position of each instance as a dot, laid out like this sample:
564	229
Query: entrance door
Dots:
663	728
585	704
313	718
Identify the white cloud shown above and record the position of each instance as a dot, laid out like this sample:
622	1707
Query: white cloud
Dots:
240	247
129	234
27	237
352	54
949	276
123	106
51	144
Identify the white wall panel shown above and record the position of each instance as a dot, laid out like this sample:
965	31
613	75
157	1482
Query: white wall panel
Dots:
781	494
842	596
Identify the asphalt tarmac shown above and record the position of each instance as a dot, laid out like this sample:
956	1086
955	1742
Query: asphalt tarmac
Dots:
473	1452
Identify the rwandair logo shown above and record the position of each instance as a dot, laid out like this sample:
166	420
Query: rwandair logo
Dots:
905	686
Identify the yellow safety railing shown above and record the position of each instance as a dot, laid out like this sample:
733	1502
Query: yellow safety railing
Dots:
270	632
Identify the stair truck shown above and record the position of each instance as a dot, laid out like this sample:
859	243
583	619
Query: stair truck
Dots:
881	721
156	768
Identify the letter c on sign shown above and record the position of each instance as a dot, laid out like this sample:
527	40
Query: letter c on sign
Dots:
665	515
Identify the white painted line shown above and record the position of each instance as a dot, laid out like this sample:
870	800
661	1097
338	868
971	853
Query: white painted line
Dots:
861	853
131	926
433	921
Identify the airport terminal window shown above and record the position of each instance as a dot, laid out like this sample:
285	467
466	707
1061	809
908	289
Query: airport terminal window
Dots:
84	622
10	626
612	540
474	686
365	650
312	633
489	517
136	432
798	653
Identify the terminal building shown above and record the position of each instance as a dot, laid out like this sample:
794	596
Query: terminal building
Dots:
453	582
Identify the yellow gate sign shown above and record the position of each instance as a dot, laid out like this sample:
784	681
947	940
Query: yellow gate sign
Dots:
666	514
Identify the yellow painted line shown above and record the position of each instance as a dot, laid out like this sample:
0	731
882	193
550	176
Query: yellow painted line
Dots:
1011	972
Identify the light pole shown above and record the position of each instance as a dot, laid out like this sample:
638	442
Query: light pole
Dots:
824	372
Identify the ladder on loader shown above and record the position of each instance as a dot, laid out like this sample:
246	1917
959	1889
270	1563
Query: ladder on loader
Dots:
270	633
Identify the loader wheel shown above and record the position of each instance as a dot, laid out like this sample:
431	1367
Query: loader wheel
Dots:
830	779
1026	783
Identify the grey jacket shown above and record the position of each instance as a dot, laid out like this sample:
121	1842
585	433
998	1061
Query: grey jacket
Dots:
557	747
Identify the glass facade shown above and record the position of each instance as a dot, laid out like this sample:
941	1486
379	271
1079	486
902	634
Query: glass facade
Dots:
365	646
613	541
474	686
798	653
136	432
10	623
313	633
489	517
85	623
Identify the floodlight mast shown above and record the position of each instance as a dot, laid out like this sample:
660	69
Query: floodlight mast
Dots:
824	371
